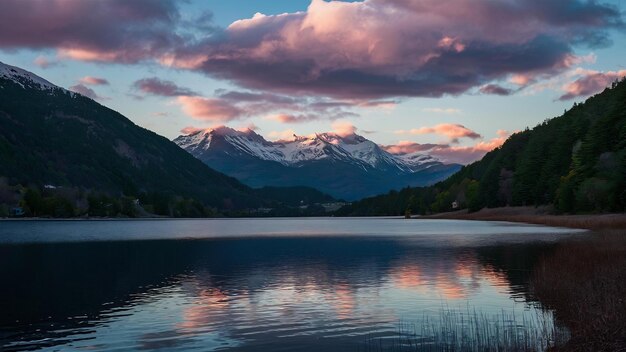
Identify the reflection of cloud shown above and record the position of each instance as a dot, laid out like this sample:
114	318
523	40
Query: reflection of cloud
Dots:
407	277
448	287
450	279
343	301
496	279
208	306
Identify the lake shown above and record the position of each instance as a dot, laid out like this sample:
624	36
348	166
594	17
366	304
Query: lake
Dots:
324	284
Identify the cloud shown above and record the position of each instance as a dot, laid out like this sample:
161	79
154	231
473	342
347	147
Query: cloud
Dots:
343	128
494	89
293	118
449	153
190	130
85	91
393	48
286	135
408	147
205	109
244	104
156	86
243	96
108	31
503	133
449	111
44	62
251	127
450	130
466	155
345	50
288	109
94	81
590	83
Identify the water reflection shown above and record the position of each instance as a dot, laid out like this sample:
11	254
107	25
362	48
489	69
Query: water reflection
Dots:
308	294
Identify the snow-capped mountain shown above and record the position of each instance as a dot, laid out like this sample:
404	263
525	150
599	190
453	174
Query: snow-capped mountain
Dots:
345	166
25	79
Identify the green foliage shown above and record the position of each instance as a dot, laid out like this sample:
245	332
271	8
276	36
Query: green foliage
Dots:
576	161
473	196
46	204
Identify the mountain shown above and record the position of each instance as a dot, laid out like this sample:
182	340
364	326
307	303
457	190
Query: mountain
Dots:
575	162
344	166
59	139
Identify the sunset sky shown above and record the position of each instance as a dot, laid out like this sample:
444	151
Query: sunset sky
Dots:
450	77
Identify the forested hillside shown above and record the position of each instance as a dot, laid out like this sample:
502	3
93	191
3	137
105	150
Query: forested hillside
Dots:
63	155
576	161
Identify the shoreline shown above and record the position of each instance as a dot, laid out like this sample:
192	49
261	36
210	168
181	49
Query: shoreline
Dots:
537	216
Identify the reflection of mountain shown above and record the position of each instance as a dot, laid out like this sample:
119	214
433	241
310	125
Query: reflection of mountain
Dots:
230	286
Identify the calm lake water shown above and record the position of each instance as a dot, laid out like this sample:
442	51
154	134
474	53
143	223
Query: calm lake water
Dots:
262	284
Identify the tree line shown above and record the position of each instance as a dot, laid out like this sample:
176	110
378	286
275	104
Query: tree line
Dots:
575	162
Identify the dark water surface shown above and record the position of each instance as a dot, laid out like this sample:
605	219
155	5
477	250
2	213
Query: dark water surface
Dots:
258	284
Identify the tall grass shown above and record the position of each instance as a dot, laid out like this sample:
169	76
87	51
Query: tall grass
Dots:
471	330
584	282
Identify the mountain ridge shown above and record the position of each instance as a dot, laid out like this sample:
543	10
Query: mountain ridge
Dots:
69	148
356	161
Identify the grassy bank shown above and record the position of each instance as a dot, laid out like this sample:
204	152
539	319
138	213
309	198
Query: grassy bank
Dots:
471	330
540	216
584	282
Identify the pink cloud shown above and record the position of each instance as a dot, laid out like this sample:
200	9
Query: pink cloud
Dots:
503	133
466	155
302	118
452	131
44	62
250	127
286	135
590	83
85	91
109	31
94	81
205	109
343	128
291	118
495	89
381	48
190	130
350	50
280	108
451	154
156	86
407	147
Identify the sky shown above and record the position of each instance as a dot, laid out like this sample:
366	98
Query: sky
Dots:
450	78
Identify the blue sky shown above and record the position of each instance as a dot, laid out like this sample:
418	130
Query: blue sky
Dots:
377	114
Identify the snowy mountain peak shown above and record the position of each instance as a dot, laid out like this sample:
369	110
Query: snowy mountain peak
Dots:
25	78
347	166
350	148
